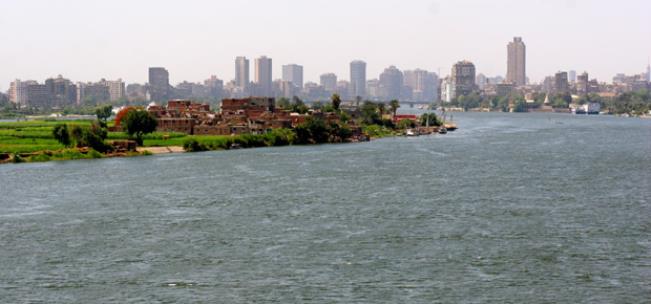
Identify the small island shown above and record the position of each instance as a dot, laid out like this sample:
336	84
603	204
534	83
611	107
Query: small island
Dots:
187	126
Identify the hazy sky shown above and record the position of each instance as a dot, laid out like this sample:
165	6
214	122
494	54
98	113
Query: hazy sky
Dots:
86	40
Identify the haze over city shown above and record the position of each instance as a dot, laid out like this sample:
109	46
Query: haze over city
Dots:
195	39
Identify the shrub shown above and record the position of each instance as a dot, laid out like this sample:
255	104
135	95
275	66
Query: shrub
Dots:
192	145
40	158
92	153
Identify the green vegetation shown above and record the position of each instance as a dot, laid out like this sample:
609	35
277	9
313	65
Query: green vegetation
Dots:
138	123
103	113
377	131
394	105
430	119
635	103
406	124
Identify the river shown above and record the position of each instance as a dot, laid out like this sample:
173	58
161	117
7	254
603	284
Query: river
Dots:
511	208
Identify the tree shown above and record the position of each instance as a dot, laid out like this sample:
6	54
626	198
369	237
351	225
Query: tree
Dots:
369	113
381	107
312	131
77	133
62	135
406	124
104	112
95	136
317	105
139	123
336	101
299	106
283	103
394	105
430	119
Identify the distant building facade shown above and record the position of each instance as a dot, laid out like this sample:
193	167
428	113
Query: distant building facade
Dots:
62	91
561	84
582	83
293	73
329	82
462	79
159	84
92	93
358	79
391	82
423	85
263	77
517	61
116	88
242	71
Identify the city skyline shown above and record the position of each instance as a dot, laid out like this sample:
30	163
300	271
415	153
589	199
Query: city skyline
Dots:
121	43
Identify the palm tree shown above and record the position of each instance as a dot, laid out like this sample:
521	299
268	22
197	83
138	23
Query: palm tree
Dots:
394	104
381	107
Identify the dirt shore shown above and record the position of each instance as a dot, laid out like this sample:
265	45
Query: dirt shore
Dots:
161	150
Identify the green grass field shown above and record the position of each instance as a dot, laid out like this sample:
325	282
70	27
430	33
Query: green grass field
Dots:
35	136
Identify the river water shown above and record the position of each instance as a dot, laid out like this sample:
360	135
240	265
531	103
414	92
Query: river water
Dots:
511	208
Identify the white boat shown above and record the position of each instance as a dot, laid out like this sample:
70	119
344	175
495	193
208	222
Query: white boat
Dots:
410	132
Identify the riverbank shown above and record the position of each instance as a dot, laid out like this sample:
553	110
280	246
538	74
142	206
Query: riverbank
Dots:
32	141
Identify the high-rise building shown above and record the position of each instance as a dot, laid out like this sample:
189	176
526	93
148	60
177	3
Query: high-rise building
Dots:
648	72
116	88
159	84
343	89
358	78
38	95
462	79
391	82
517	62
423	85
561	85
373	89
62	91
92	93
18	92
329	82
293	73
571	76
582	84
242	73
263	76
215	87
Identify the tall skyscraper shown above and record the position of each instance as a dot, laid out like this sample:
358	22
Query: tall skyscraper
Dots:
517	62
159	84
242	73
358	78
329	82
263	76
293	73
463	79
391	81
648	72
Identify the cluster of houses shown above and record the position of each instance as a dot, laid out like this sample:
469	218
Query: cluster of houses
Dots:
254	115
